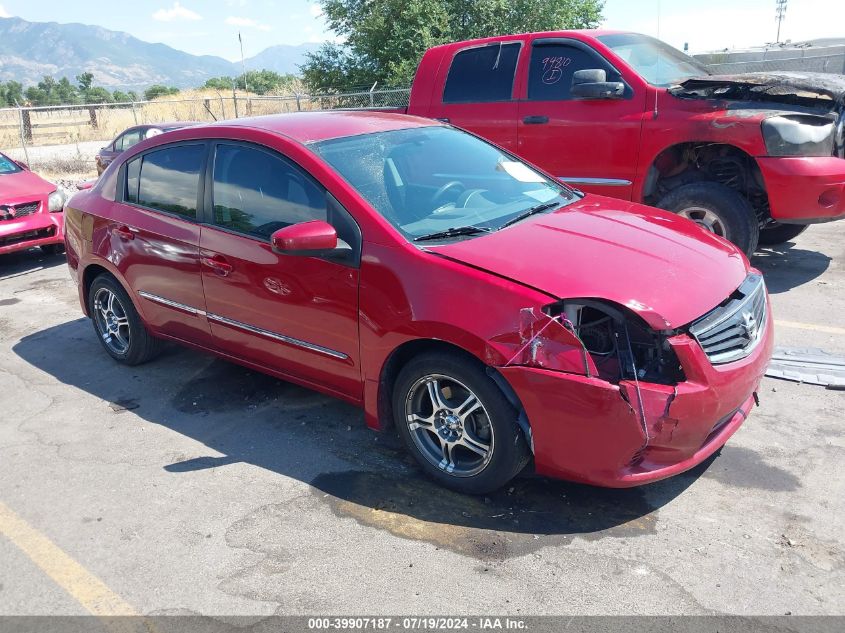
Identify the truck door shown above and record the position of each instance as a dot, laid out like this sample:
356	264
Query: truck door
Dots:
592	144
475	92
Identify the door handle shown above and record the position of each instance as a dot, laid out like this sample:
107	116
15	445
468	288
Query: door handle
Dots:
125	233
218	264
535	120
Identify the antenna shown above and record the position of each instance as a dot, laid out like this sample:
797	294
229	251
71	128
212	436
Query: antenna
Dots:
780	14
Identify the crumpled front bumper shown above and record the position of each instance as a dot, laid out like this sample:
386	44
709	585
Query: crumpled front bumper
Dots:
591	431
39	229
804	189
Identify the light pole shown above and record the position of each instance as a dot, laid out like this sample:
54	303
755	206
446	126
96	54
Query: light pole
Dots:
780	13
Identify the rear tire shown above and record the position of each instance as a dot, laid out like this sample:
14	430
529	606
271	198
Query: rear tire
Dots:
118	324
716	208
780	233
457	423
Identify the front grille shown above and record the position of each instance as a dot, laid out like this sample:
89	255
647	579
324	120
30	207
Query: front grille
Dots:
18	211
734	329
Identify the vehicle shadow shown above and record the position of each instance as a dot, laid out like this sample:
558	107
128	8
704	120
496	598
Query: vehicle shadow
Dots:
30	260
786	267
247	417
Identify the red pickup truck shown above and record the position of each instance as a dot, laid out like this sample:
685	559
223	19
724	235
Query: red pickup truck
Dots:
751	157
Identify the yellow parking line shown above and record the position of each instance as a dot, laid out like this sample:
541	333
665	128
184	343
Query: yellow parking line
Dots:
86	588
810	326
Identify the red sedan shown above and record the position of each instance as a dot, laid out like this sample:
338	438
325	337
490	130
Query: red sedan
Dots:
491	314
30	210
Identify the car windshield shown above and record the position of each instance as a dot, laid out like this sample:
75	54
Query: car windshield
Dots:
657	62
432	180
8	166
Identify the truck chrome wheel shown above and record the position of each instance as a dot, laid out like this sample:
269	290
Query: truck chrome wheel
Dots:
112	322
706	219
449	425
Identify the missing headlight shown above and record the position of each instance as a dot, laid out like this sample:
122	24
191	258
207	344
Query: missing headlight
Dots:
620	344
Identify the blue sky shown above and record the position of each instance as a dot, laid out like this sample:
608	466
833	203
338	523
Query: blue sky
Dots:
211	26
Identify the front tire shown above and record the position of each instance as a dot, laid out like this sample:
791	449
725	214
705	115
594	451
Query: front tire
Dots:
457	423
118	324
780	233
718	209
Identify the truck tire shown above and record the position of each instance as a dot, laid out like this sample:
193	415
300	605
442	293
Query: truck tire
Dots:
457	423
718	209
780	233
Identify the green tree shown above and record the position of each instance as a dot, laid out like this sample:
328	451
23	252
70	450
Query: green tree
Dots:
258	81
66	92
385	39
98	94
11	93
85	81
118	96
158	90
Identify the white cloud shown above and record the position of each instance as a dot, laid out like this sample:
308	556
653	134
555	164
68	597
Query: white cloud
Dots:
316	10
4	13
248	23
174	13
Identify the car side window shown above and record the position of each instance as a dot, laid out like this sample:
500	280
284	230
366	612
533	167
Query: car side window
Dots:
552	66
257	193
127	140
169	179
482	74
133	173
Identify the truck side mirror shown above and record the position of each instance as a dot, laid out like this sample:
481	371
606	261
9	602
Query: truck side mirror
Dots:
593	84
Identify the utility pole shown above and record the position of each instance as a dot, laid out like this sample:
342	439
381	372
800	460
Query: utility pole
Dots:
780	14
243	65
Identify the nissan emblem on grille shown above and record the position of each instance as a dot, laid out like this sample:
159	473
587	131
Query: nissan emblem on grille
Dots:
732	330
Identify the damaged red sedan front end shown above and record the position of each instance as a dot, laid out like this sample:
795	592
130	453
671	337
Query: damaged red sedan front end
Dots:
639	376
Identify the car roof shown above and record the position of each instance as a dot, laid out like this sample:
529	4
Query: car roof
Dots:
310	127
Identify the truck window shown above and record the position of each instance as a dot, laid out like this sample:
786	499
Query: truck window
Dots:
552	65
481	74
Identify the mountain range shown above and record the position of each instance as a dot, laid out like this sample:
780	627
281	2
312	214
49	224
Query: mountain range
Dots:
30	50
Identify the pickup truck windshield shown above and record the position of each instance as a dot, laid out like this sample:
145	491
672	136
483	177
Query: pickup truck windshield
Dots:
438	182
656	62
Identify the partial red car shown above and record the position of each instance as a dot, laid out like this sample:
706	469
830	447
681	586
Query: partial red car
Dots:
30	210
131	137
491	314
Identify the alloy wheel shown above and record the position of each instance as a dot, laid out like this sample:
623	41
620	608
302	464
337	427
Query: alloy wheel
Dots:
112	322
449	425
706	219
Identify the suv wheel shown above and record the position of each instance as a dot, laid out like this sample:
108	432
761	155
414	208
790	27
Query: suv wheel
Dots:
118	324
780	233
457	423
718	209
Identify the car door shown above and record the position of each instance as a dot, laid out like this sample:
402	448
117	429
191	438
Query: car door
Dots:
476	93
294	314
154	237
592	144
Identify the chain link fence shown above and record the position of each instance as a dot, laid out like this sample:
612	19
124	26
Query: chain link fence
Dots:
832	61
62	140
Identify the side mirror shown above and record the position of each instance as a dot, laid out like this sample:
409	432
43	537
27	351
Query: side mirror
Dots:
306	238
593	84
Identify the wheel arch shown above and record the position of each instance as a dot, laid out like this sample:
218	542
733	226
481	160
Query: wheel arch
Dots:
94	269
408	350
729	164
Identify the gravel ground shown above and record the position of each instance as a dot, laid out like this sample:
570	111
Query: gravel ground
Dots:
190	485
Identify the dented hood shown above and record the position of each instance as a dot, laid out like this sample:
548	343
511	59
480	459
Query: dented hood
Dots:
664	268
772	84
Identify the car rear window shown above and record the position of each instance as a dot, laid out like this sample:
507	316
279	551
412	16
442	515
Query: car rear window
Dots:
169	179
482	74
